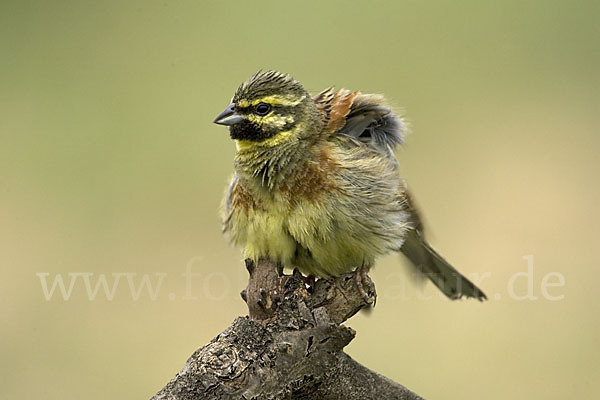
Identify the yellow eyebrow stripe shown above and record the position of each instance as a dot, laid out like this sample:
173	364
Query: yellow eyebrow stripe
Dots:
274	100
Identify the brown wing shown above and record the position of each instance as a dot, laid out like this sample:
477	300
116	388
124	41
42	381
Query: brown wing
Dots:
323	101
366	118
335	106
362	116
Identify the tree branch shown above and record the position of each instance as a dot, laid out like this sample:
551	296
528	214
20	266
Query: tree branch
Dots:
290	346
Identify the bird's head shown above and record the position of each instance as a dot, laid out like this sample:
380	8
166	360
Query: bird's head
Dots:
270	108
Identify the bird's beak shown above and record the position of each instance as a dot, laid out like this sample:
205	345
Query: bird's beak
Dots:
228	116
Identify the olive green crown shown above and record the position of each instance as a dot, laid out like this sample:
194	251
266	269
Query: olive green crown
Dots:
264	83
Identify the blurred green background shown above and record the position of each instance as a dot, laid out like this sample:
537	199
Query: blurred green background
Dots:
109	163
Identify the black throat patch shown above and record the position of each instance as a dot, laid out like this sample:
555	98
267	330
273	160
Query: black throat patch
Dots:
247	130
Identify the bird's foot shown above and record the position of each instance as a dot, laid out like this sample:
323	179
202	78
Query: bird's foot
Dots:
363	281
309	282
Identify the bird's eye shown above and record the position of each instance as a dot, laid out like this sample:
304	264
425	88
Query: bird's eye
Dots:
263	108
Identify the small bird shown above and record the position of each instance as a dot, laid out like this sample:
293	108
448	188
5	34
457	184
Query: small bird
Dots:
316	184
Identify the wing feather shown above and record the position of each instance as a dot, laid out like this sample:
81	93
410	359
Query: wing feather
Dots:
365	117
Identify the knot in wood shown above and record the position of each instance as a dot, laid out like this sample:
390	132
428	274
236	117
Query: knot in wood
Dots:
222	361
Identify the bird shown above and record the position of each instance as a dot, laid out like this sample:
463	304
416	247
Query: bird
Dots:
316	185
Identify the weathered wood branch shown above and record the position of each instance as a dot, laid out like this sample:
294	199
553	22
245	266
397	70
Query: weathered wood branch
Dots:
289	347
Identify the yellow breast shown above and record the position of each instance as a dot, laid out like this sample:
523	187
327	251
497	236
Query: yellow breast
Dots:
309	221
266	233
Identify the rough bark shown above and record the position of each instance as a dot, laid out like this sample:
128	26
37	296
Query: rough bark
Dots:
289	347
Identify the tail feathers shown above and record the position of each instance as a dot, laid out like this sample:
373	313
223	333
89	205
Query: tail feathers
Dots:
451	282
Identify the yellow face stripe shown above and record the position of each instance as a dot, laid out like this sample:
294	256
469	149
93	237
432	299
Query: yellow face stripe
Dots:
274	120
287	101
270	142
